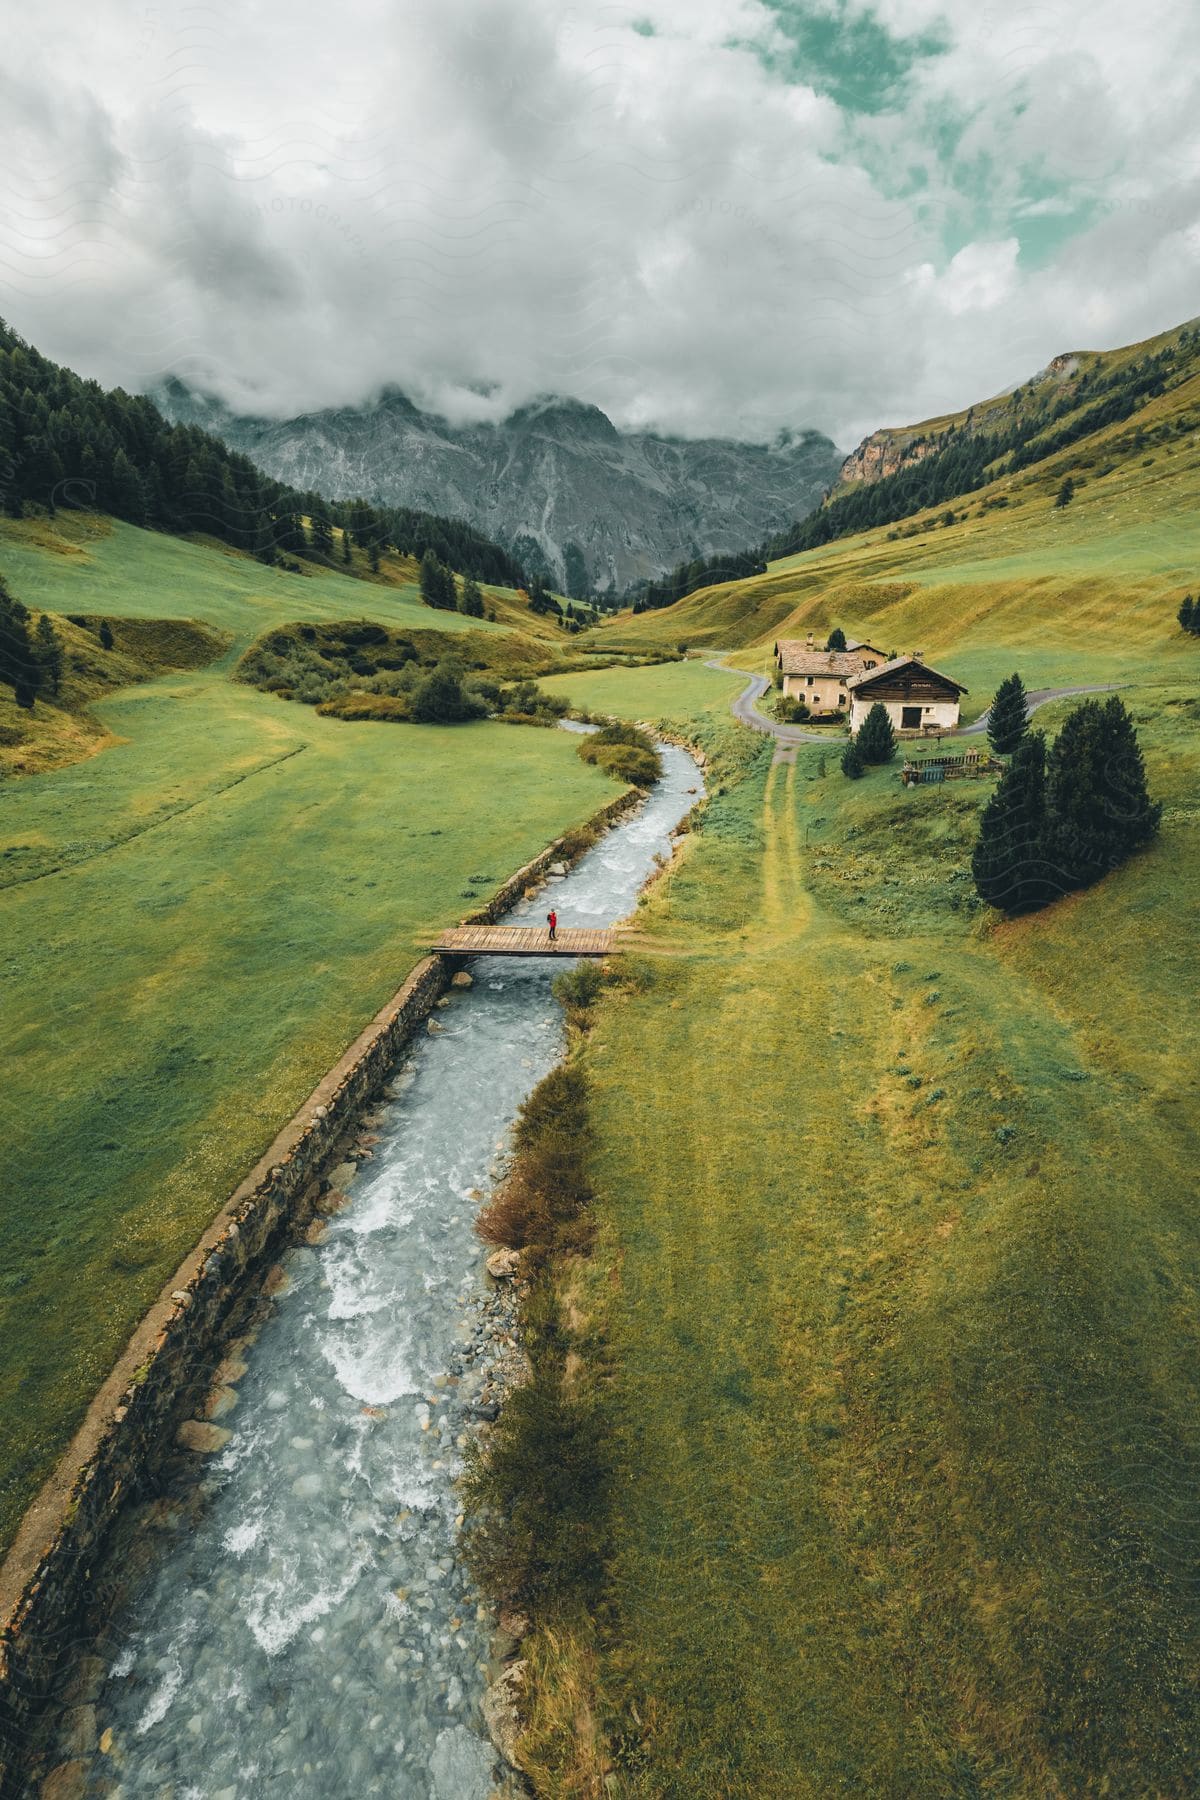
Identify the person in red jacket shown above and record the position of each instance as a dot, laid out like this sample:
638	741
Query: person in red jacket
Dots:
552	922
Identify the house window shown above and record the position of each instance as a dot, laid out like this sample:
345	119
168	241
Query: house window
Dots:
841	699
910	718
809	680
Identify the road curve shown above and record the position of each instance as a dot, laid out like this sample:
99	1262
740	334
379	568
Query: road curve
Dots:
745	708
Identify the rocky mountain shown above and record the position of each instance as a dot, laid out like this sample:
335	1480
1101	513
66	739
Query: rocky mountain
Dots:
892	448
592	506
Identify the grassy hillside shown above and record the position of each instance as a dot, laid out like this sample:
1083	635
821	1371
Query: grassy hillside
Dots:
1067	384
198	920
90	564
893	1317
62	729
1092	585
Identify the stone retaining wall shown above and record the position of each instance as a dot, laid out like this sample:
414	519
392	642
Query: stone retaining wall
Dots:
167	1365
505	898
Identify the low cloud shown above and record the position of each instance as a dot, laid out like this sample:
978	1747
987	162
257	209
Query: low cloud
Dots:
661	210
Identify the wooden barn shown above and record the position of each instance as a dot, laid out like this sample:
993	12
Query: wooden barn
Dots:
918	699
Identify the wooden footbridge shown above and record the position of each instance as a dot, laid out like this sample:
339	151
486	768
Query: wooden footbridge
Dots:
524	940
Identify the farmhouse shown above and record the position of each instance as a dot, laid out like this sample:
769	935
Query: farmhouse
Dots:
820	677
918	699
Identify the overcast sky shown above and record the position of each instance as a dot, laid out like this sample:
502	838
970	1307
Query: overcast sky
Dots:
703	215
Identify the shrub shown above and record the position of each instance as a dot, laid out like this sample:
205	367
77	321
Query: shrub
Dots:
440	698
852	762
544	1203
578	988
623	752
365	706
791	710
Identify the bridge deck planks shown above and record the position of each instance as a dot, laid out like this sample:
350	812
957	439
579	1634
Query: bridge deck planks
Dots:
524	940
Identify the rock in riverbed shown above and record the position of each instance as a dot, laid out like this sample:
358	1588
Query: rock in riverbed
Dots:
502	1264
501	1711
204	1439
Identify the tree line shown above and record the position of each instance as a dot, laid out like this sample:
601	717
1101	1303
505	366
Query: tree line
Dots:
688	577
68	442
1065	815
31	660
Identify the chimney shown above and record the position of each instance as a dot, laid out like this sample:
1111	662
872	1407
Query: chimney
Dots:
811	641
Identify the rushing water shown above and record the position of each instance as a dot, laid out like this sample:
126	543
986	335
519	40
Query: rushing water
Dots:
311	1632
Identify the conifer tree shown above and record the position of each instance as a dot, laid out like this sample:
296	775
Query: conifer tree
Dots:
345	543
852	762
1008	862
19	667
1066	493
471	600
836	639
106	636
322	532
876	739
1008	717
1098	808
1186	613
49	652
437	583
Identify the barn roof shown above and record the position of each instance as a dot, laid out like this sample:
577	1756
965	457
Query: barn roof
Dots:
799	658
867	677
861	644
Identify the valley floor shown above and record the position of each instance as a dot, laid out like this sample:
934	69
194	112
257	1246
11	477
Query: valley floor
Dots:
196	922
893	1317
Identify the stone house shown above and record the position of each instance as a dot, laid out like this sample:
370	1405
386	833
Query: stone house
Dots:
820	677
918	699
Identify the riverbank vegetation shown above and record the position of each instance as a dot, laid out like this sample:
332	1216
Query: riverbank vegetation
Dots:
624	752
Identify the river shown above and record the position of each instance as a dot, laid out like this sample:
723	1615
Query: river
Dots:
305	1626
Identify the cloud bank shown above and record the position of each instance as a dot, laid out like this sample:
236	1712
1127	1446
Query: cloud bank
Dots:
722	217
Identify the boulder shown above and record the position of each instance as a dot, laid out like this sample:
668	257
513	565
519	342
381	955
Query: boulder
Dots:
462	980
502	1264
67	1782
502	1711
203	1438
77	1731
221	1400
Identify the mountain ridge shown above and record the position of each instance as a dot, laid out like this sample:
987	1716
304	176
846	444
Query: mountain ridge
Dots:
575	498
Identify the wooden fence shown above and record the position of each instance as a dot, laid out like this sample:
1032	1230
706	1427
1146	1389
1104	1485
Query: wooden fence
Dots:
968	766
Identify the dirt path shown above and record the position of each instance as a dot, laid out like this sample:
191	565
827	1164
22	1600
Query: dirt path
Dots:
745	708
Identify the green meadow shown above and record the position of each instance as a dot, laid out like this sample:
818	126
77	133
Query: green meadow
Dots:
893	1316
195	923
891	1325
